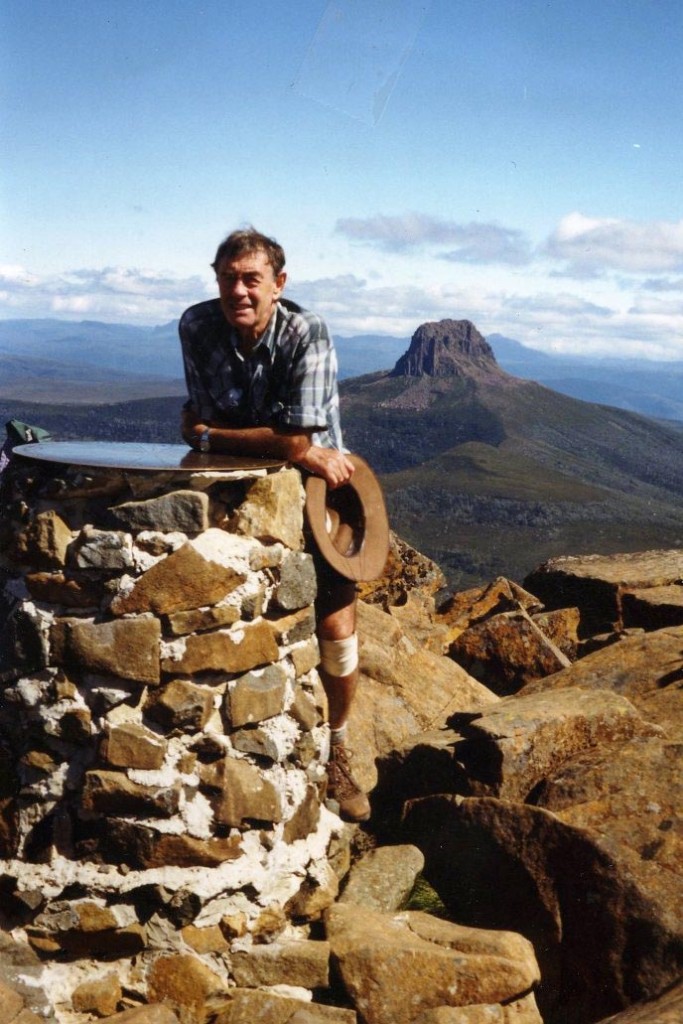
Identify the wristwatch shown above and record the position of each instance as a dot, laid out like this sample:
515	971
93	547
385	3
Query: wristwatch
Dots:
205	441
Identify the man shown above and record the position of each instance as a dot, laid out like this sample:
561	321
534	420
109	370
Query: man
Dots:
262	378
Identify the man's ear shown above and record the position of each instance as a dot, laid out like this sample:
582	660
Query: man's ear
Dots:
280	282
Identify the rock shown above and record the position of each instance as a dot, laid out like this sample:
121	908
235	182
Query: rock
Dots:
99	996
11	1004
154	1013
291	629
667	1009
141	847
403	691
257	696
112	793
200	619
395	966
443	349
596	583
468	608
297	587
44	542
236	650
643	667
245	794
302	963
407	573
188	985
108	550
182	511
205	940
131	745
315	895
601	942
69	591
180	706
506	651
184	580
521	741
384	878
273	510
127	647
653	607
248	1006
519	1011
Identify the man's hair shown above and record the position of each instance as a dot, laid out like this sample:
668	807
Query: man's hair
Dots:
247	241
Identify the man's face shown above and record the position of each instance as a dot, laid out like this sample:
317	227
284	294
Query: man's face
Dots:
248	290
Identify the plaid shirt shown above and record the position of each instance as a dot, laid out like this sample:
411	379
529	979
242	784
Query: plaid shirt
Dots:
290	378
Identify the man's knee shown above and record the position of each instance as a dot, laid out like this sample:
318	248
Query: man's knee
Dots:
339	657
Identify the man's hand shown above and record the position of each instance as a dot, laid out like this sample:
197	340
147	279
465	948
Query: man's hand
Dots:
328	463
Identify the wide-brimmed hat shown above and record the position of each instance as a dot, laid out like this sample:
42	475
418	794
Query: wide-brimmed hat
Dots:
349	523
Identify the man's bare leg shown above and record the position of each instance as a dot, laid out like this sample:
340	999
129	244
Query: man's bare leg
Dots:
336	622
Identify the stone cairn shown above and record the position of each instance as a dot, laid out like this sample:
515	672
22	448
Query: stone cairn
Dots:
162	728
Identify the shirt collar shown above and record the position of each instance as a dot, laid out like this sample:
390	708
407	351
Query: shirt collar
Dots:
267	339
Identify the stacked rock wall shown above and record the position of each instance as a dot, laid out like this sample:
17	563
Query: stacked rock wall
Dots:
162	725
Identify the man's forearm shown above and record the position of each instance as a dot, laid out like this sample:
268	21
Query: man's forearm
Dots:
266	442
272	443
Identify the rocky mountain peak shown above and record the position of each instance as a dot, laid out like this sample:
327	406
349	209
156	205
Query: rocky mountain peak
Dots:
445	348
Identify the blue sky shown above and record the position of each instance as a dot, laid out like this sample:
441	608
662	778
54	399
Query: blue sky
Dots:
514	162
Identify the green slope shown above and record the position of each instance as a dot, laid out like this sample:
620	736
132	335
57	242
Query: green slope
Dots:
492	475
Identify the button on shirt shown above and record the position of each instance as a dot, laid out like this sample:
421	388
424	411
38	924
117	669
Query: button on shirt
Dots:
289	378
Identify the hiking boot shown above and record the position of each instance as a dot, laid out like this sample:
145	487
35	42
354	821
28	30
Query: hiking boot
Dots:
342	787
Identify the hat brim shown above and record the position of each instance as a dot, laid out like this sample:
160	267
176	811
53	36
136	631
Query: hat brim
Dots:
349	523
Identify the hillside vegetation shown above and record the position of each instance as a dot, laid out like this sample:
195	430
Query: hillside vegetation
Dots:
489	474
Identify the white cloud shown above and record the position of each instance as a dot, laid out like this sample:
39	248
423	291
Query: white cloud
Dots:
475	242
110	294
591	244
562	323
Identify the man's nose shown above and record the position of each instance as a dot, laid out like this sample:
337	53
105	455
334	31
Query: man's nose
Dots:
237	286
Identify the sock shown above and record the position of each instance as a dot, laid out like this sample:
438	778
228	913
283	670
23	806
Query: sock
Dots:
338	735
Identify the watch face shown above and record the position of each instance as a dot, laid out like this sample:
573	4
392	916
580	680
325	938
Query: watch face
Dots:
204	442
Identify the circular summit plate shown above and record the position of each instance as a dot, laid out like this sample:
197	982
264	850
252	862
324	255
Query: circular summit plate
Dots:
125	455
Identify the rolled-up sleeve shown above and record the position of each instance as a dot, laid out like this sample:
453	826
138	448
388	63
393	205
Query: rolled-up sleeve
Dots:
312	392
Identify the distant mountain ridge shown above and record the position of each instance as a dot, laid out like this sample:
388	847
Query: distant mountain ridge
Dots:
142	358
484	471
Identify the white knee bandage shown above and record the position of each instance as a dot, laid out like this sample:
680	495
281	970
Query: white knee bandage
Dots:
339	657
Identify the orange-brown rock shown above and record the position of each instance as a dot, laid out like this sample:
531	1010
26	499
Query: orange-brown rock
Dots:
180	706
188	985
601	940
69	591
244	794
183	580
43	543
653	607
131	745
303	963
394	966
99	996
404	690
235	650
505	651
273	510
125	647
596	583
113	793
468	608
